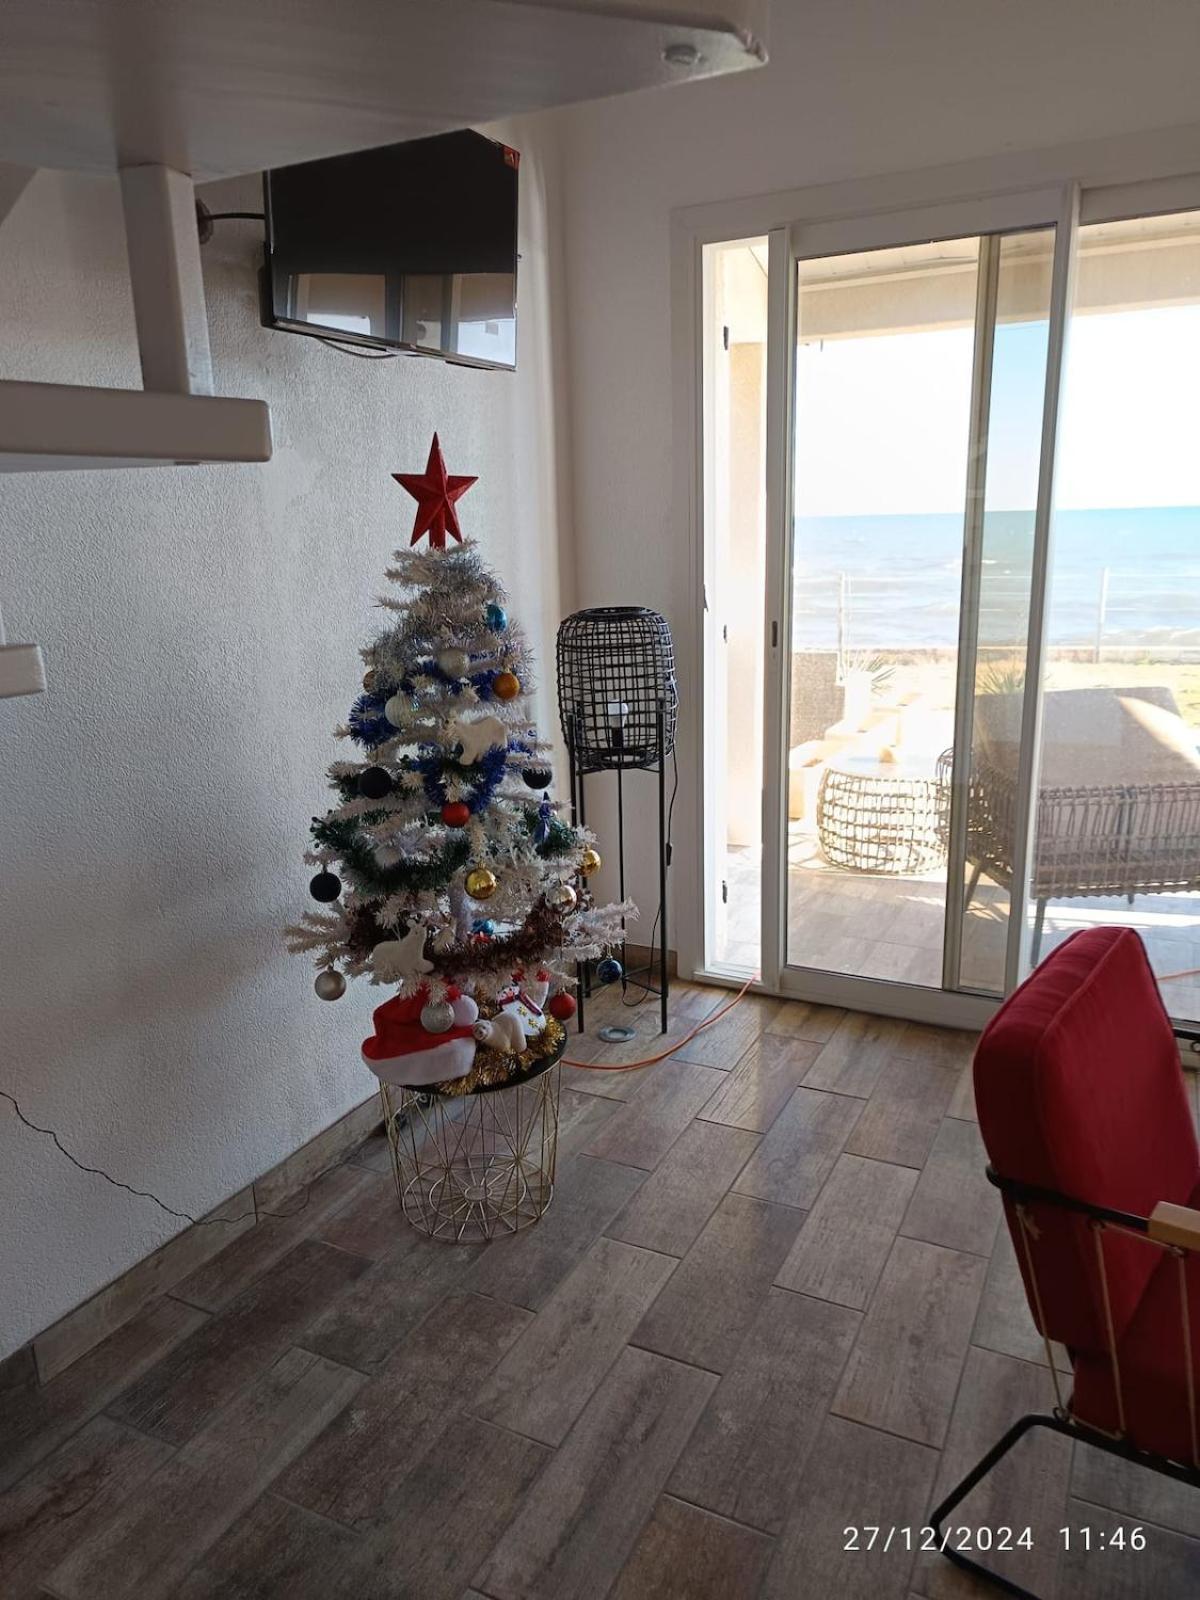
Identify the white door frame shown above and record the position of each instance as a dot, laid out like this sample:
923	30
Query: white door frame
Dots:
1111	179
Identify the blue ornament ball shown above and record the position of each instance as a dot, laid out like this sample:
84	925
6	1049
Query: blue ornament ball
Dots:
496	618
609	970
483	925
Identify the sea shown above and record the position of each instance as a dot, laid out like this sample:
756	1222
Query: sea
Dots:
1122	580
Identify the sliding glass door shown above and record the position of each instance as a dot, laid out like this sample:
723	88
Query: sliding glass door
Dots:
952	600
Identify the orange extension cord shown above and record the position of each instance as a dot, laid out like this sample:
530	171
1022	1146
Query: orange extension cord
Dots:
650	1061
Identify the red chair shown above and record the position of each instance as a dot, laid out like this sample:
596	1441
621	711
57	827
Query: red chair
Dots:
1090	1140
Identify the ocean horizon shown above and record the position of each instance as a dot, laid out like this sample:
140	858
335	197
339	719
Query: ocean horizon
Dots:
1123	576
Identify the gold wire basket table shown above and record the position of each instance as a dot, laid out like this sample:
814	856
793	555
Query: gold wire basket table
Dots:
476	1165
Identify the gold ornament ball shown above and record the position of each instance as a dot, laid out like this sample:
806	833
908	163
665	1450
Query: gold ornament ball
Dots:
590	862
330	985
481	883
370	679
506	686
563	896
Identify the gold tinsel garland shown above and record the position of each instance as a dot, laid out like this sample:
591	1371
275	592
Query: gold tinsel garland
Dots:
493	1069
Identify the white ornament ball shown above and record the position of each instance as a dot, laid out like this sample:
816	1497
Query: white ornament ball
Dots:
437	1016
330	985
396	709
466	1012
454	663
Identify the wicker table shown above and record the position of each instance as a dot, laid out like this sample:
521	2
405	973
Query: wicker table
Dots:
881	816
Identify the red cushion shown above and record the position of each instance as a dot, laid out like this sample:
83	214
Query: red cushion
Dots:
1080	1089
1151	1362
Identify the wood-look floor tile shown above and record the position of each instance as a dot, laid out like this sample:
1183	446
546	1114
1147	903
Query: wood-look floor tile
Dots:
800	1150
354	1470
35	1419
904	1113
1027	1489
745	1458
962	1101
797	1019
643	1131
67	1497
849	1233
676	1200
525	1268
276	1551
573	1536
954	1204
374	1153
904	1370
1004	1322
761	1084
73	1335
207	1369
724	1043
549	1375
1129	1490
362	1326
938	1047
447	1517
371	1222
718	1289
622	1086
219	1281
1167	1568
857	1052
144	1551
855	1476
580	1118
687	1554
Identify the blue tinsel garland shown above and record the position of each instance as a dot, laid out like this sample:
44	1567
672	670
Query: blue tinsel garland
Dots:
490	771
367	723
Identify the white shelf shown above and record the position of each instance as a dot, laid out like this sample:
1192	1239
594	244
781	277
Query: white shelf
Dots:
59	426
215	88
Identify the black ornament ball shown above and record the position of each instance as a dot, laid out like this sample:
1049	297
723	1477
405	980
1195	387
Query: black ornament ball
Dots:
375	783
609	970
325	886
538	777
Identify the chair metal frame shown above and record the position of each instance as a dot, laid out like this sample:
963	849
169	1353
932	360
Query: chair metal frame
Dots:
1173	1229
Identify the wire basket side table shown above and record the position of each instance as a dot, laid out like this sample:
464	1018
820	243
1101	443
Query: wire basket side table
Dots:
475	1166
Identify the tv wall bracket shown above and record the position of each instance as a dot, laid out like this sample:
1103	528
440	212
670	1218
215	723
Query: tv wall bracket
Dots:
174	419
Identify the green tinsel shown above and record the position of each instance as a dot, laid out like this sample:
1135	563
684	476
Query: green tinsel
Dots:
358	858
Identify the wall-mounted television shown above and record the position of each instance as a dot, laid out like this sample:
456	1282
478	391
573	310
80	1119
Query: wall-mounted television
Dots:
410	247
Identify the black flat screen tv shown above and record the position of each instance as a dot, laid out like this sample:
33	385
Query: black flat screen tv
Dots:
410	247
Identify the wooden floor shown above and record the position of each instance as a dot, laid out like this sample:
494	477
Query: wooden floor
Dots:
771	1302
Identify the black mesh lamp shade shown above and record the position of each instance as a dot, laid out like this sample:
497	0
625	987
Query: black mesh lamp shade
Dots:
616	670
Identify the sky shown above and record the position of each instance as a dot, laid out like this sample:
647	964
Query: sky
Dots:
882	423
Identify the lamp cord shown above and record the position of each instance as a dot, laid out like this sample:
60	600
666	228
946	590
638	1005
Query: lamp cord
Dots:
146	1194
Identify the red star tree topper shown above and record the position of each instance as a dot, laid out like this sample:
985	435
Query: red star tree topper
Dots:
435	492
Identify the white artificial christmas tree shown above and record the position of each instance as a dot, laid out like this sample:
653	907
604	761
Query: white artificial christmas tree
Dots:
445	866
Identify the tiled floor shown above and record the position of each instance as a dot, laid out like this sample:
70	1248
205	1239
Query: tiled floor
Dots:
771	1302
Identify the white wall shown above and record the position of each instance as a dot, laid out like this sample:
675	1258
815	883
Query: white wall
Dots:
200	629
853	88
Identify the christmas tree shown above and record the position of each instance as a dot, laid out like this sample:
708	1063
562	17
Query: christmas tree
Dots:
444	866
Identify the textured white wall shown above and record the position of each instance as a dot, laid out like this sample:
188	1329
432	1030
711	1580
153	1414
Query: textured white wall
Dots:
853	88
200	629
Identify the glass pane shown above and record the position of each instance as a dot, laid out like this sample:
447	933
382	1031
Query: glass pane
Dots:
1009	447
735	568
1118	824
883	414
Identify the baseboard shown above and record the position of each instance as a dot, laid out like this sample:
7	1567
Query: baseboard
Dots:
72	1336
